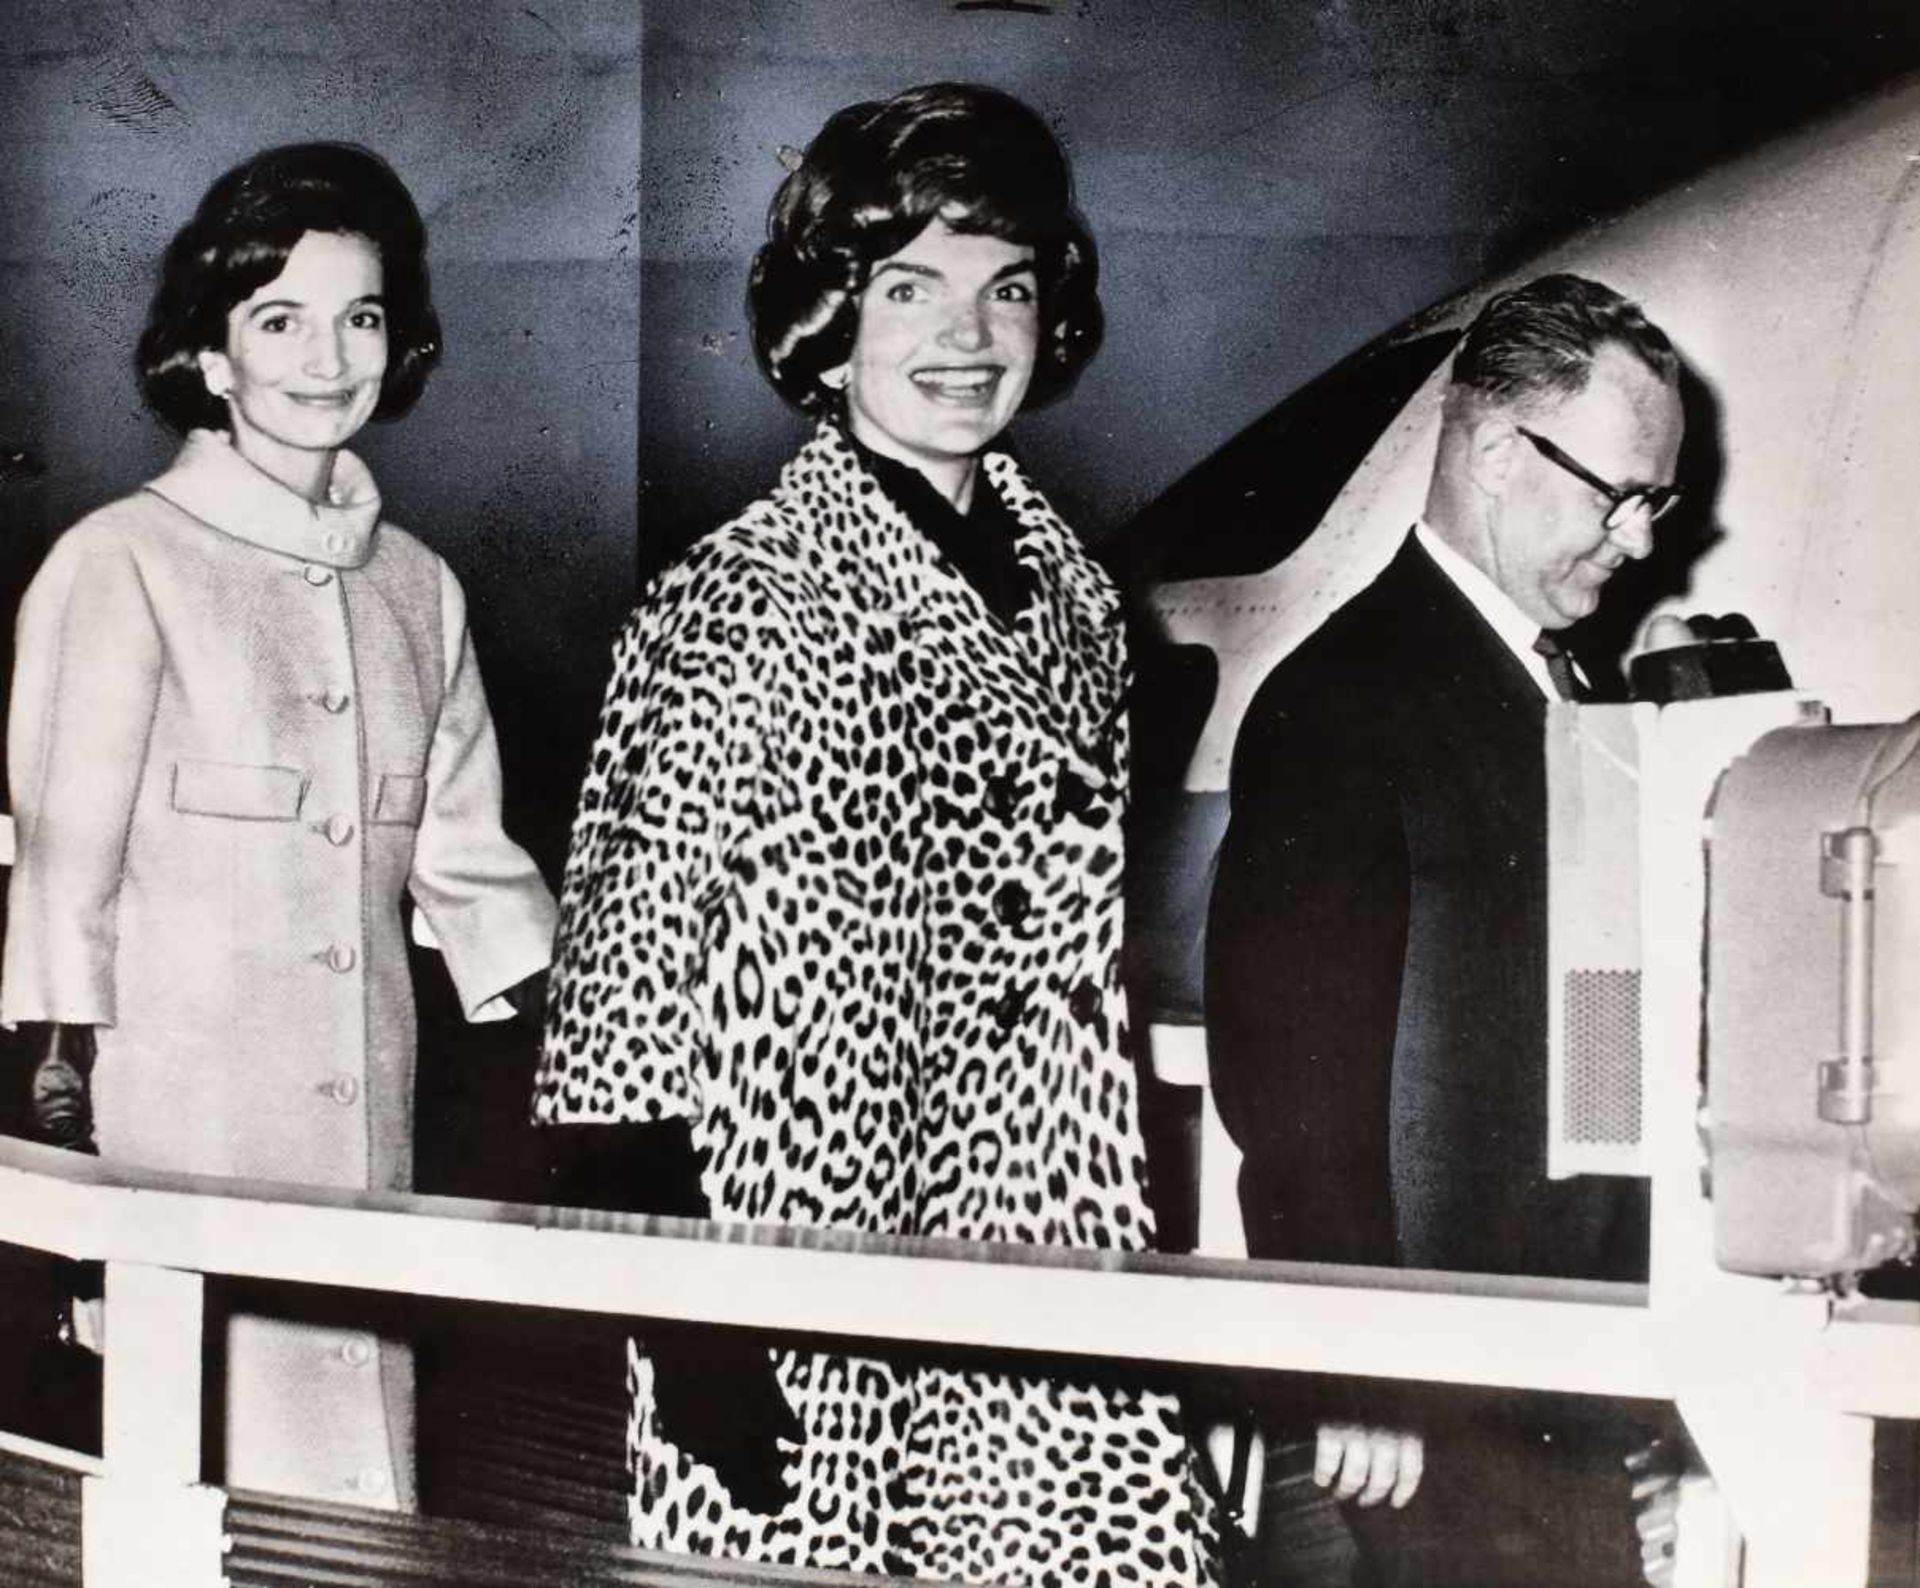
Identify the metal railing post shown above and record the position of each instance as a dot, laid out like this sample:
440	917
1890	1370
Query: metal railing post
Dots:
147	1519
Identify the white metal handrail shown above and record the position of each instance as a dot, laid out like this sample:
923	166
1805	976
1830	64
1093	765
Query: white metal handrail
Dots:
160	1234
1576	1336
1572	1336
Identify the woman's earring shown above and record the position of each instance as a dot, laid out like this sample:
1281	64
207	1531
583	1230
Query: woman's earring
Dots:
834	379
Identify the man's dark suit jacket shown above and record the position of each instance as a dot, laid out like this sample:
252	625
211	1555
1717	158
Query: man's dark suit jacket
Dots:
1376	960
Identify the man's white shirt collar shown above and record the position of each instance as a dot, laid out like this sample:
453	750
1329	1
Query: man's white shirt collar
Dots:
1517	631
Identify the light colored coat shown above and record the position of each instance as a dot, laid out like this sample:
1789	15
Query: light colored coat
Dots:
242	727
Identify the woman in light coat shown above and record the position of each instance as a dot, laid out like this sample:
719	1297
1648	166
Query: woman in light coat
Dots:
246	721
841	919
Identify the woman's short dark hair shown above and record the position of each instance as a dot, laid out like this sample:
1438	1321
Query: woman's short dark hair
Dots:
872	180
239	240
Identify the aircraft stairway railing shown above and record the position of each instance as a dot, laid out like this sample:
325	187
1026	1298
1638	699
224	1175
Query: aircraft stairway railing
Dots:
146	1517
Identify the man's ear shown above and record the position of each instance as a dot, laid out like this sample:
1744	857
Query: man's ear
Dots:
1493	453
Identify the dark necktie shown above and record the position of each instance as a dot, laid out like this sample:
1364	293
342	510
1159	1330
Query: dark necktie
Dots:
1566	682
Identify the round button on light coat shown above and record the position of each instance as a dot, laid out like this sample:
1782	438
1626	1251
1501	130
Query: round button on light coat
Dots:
339	830
341	957
336	542
316	575
336	701
343	1089
357	1352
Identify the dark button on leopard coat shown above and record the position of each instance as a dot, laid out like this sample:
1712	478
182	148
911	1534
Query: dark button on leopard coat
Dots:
845	891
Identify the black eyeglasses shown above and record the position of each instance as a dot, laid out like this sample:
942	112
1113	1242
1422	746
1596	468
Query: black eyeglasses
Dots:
1656	501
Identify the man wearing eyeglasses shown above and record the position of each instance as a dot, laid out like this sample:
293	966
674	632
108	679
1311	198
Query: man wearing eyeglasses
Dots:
1376	960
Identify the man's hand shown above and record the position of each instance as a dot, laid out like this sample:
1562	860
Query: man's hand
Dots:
1693	658
1369	1464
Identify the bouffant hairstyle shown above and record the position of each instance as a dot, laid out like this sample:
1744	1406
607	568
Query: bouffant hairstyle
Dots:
869	184
239	240
1536	343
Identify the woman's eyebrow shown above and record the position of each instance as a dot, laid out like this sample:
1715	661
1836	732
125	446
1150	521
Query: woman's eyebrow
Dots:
1017	267
298	303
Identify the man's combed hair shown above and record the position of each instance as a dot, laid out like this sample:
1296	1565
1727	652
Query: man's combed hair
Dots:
1538	342
239	240
872	180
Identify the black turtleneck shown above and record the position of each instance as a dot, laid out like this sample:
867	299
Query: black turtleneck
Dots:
979	545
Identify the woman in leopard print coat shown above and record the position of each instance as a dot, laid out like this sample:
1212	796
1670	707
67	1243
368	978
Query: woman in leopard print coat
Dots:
843	903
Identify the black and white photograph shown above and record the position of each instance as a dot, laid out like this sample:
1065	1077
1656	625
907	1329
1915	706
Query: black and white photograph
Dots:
1007	792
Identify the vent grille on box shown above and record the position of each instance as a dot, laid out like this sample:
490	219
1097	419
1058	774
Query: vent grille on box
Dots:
1601	1080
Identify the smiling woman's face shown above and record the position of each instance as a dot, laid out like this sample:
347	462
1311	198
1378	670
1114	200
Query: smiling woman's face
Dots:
305	353
944	351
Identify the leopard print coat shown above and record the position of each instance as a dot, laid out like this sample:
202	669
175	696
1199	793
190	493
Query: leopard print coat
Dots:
844	891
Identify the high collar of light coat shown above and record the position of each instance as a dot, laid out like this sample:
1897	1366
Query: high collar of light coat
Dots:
213	482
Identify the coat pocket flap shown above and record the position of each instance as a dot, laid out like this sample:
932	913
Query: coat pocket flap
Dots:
400	797
249	793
